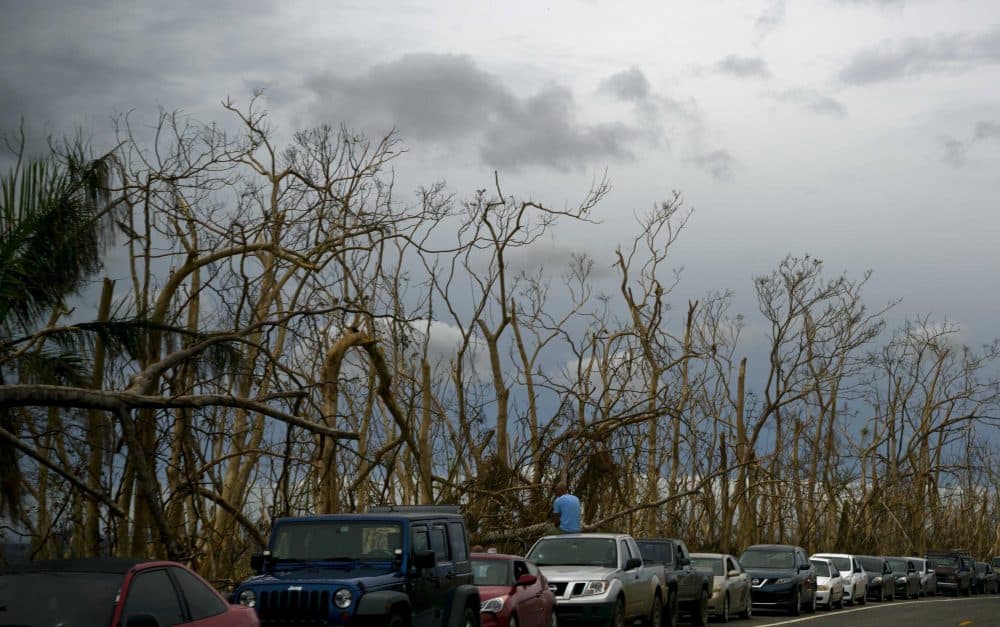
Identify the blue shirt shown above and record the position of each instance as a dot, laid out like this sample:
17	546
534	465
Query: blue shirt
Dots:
568	508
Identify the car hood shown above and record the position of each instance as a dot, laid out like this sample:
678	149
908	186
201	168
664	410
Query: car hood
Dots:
772	573
827	580
576	573
489	592
372	576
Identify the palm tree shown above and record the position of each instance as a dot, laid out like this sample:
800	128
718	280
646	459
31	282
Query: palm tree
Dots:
55	220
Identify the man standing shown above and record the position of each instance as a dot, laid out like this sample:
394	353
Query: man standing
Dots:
565	511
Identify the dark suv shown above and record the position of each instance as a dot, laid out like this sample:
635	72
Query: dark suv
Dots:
394	566
781	577
954	571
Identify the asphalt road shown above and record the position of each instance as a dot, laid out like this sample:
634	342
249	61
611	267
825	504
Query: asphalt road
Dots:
976	611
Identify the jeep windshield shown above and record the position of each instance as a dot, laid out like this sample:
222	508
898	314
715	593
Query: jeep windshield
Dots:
575	552
340	540
761	558
58	598
943	561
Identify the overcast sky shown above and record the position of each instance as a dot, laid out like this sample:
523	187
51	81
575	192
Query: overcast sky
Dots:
862	132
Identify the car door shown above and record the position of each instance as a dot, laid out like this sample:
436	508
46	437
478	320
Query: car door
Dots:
809	575
632	582
423	582
151	591
444	568
738	585
527	599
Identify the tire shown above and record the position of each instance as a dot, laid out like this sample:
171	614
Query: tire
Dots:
395	620
470	618
670	609
618	618
795	609
747	612
655	618
700	615
724	614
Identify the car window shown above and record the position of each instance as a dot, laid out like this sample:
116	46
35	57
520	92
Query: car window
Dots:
730	565
520	568
421	540
532	569
456	537
151	592
625	551
202	601
439	543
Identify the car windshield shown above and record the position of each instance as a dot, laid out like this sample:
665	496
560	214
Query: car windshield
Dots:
843	564
656	551
491	572
574	552
763	558
708	564
822	568
872	564
336	540
58	598
943	561
898	566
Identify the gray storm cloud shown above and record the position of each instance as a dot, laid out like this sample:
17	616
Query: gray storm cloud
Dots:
444	97
814	101
743	67
919	56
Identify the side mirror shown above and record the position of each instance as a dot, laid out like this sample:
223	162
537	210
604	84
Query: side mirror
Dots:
633	563
733	573
257	562
424	559
683	561
142	620
527	580
930	571
803	566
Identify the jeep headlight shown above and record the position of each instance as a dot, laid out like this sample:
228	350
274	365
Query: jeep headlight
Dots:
248	598
494	605
877	580
778	582
594	588
343	598
900	579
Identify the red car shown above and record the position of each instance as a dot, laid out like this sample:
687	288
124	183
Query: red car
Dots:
512	592
113	592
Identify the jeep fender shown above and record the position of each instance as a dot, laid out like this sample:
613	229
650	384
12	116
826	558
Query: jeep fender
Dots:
458	598
380	603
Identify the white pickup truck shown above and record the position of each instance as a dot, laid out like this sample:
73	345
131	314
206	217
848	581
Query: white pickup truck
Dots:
600	578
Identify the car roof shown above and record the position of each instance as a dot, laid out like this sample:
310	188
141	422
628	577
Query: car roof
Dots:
712	555
781	547
111	565
395	516
496	556
848	555
601	536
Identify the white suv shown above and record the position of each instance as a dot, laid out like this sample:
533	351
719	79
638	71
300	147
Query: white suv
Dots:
855	578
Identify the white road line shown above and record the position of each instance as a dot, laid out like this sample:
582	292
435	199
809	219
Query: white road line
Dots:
899	603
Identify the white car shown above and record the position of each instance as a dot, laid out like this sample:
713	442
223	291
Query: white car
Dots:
928	579
829	583
855	578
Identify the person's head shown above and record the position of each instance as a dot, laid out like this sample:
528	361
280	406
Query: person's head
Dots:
561	488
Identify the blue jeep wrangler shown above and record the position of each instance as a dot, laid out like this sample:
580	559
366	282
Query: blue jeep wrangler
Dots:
399	566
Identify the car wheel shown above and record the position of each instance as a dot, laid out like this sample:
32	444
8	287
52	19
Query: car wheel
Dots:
618	618
670	609
724	614
796	607
655	618
748	610
470	618
395	620
700	616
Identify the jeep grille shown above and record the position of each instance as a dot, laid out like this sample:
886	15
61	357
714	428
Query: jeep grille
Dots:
293	607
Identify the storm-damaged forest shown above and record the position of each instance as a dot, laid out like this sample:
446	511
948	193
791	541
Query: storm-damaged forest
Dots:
206	330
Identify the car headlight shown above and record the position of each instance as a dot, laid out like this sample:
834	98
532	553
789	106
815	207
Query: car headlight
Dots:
716	589
900	579
877	580
494	605
783	580
595	587
823	588
343	598
248	598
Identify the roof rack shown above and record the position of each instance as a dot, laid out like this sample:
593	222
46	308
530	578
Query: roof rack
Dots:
414	509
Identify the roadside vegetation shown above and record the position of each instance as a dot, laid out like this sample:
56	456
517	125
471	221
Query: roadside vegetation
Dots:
282	332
